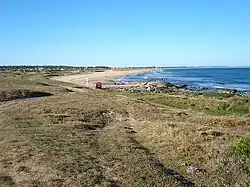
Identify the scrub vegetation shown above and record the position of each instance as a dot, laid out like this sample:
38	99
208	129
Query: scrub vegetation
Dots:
86	137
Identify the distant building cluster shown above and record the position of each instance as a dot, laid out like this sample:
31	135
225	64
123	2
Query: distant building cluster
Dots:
61	68
50	68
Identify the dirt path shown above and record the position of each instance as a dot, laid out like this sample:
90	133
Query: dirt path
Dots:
120	140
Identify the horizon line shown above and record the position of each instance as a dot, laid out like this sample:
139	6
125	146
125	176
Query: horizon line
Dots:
153	66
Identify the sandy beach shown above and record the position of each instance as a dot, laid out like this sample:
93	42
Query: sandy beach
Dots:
108	77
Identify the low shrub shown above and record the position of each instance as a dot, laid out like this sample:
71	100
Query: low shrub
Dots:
242	147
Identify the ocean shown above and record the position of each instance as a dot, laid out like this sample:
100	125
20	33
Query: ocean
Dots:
200	79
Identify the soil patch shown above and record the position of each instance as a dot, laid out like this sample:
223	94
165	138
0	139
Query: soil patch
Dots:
96	119
6	181
22	94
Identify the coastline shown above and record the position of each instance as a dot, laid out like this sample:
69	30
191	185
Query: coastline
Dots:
108	78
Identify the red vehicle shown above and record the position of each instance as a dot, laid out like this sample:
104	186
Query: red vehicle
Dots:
98	85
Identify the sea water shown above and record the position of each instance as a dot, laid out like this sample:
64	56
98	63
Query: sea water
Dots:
203	79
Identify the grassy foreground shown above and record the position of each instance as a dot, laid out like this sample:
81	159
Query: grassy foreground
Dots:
53	136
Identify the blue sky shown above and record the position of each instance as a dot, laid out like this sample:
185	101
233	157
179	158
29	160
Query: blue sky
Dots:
125	32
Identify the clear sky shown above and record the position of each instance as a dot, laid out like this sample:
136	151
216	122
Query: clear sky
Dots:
125	32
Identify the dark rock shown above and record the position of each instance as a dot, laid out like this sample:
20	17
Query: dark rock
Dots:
181	86
233	91
154	87
68	90
204	88
79	87
216	133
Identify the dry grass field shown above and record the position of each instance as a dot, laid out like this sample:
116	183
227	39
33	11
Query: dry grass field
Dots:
55	136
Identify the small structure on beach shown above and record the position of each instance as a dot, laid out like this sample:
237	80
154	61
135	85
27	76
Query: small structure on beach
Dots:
98	85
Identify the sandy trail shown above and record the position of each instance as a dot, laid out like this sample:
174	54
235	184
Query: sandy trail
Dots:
108	77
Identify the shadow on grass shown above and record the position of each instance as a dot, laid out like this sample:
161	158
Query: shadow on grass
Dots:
22	94
156	163
6	180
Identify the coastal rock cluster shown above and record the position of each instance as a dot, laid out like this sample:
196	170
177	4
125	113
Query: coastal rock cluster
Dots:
153	87
160	87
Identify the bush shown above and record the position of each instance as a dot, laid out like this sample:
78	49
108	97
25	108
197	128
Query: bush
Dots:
242	147
239	108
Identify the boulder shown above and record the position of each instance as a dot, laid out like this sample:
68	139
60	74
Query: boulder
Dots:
233	91
158	84
181	86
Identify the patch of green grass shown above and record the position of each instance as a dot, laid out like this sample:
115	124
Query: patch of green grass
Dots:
221	108
127	94
242	147
218	94
234	108
175	102
218	108
197	93
213	94
210	104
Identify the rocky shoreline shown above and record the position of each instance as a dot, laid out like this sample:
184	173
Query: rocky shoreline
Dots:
160	87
